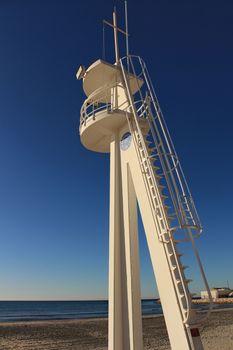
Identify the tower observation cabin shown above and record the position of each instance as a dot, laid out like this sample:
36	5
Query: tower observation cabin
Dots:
122	116
104	111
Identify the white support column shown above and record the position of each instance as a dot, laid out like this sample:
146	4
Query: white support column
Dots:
118	333
132	259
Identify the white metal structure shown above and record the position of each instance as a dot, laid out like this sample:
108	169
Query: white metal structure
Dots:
121	115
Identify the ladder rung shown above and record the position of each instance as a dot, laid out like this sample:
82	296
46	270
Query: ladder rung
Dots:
174	267
182	295
152	157
163	234
178	281
173	229
145	172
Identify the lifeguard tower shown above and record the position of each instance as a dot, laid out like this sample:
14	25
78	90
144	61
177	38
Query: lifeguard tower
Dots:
122	116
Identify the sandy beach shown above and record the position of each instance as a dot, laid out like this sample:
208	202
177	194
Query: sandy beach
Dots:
216	334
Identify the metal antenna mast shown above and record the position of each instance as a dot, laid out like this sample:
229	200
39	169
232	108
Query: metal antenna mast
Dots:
126	29
116	29
115	35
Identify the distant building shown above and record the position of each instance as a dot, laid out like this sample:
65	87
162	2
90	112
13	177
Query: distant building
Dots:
217	293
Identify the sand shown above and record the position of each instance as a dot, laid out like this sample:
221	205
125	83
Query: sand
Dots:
217	334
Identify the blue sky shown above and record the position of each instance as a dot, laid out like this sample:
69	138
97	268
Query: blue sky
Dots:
54	194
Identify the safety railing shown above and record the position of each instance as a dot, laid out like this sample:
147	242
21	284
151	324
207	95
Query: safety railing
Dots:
101	100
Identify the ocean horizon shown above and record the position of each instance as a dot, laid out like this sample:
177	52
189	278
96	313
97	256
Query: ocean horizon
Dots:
18	311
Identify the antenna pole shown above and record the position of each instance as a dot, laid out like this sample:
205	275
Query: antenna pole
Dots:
115	35
127	33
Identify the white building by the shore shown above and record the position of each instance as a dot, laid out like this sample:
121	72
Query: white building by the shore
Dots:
222	292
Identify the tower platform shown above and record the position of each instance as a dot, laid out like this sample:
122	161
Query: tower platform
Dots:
98	129
106	107
101	73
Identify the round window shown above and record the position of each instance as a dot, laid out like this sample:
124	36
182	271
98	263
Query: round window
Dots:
125	141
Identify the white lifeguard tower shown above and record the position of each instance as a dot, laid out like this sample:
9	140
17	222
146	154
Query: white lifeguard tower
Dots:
122	116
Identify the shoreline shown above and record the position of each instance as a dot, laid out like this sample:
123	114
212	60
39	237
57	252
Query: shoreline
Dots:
92	334
96	319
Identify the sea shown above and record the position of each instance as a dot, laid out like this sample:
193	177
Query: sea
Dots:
16	311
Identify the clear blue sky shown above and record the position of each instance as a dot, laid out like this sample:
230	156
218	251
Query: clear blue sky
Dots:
54	193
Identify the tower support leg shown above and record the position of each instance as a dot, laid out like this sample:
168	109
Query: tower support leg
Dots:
118	331
132	259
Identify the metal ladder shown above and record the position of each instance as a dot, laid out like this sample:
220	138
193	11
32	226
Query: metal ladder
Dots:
164	181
